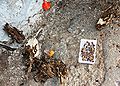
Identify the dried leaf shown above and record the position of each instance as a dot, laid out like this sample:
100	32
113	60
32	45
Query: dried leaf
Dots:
14	33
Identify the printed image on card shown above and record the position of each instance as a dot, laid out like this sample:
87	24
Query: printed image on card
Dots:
87	51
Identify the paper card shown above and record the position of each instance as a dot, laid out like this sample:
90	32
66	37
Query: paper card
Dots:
87	52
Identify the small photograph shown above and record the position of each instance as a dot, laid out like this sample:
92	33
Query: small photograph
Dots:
87	51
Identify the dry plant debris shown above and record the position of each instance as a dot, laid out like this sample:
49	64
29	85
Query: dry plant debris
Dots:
7	47
110	16
33	44
14	33
45	67
32	51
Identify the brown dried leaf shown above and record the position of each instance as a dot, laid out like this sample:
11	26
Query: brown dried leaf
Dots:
14	33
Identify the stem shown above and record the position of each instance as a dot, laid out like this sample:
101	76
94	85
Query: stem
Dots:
7	47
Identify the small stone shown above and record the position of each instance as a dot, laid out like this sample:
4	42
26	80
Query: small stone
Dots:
72	67
76	74
82	30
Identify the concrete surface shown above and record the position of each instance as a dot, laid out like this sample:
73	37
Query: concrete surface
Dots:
62	33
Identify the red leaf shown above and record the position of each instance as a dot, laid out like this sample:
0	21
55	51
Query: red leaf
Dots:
46	5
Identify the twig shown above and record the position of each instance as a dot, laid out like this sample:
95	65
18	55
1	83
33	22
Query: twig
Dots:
7	47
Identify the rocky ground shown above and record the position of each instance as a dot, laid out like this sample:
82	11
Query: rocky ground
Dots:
62	32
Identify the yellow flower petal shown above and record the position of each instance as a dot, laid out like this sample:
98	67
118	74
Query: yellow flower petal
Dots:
51	53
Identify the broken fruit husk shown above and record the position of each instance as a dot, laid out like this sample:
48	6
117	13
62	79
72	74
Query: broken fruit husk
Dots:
45	67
